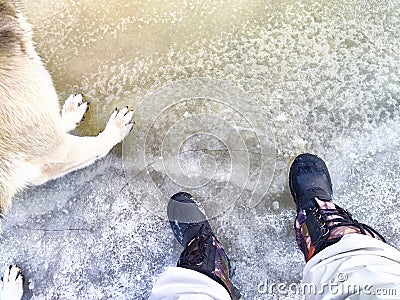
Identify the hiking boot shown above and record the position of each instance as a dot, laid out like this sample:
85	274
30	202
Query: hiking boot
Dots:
203	252
319	222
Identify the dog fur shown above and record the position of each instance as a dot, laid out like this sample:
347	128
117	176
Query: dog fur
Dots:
34	142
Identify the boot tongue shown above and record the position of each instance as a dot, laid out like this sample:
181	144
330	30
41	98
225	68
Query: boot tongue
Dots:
309	205
195	230
308	197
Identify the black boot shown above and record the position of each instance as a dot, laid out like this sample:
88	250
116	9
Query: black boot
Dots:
319	223
203	252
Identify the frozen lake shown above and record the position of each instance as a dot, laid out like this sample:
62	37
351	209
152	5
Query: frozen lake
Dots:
225	93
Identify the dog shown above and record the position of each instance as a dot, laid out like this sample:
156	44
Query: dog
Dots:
35	144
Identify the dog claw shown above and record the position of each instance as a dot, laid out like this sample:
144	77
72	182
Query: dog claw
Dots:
13	281
119	125
73	111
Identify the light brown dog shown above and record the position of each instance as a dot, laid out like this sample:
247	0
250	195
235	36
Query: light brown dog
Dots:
34	142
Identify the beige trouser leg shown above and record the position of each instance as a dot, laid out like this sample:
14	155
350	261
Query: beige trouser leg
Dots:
356	267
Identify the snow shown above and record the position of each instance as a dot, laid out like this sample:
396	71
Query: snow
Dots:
225	95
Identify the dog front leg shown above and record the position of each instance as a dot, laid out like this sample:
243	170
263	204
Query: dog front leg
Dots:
78	152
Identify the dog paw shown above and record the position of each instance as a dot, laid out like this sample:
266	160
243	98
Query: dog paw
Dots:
13	281
73	111
119	125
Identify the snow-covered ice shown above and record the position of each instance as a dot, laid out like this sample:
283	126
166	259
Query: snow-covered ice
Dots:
323	77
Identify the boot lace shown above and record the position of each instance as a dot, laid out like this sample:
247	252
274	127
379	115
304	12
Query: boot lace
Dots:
343	218
194	254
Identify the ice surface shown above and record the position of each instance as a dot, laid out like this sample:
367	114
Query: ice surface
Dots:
323	74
